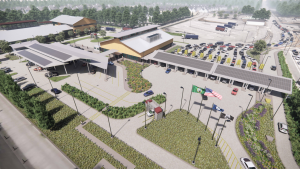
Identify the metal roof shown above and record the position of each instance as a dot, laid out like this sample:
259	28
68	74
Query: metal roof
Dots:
139	44
25	33
22	44
16	22
255	78
185	62
71	20
37	58
133	31
280	84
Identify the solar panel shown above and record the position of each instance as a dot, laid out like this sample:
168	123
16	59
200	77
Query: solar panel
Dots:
52	52
259	78
193	63
35	58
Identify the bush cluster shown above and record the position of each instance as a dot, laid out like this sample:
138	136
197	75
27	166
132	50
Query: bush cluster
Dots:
34	109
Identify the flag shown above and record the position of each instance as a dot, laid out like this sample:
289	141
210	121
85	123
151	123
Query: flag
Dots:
215	107
211	93
196	89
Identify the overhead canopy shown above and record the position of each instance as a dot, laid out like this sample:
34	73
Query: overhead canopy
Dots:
133	31
38	59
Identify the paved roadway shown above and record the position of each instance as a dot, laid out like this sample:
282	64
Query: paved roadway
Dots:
29	144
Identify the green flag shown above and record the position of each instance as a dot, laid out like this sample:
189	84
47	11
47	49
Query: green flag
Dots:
198	90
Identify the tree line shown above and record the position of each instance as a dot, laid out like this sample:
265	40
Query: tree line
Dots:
290	8
258	13
34	109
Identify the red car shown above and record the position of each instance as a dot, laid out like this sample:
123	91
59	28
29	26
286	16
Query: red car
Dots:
234	91
223	46
38	69
254	69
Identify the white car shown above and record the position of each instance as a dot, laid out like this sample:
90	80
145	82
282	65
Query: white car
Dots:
297	58
247	163
253	59
150	113
282	128
179	53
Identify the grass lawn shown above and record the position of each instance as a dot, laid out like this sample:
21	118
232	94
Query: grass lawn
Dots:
63	134
175	34
253	55
135	81
178	134
75	40
138	159
118	27
24	61
58	78
252	131
181	42
173	48
102	39
13	74
12	57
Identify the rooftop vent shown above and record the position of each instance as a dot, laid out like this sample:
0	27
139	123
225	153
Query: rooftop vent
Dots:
153	37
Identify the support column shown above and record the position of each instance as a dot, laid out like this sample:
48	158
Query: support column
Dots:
65	69
74	64
219	79
176	68
196	74
88	67
54	67
263	91
158	63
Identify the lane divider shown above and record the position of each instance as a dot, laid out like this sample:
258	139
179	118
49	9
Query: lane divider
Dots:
151	118
95	116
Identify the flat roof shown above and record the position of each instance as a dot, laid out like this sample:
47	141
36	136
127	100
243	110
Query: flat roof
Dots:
25	33
16	22
139	44
281	84
37	58
256	20
132	31
22	44
67	19
185	62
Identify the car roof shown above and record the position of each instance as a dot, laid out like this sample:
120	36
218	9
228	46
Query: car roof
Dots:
284	126
250	164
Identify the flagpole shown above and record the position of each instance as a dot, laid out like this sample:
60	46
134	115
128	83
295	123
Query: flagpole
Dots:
209	116
220	133
190	100
199	109
216	126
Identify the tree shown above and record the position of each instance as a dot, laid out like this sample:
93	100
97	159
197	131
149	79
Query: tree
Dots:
2	16
126	16
98	27
118	18
157	9
78	32
34	13
142	17
93	29
45	14
41	39
145	10
247	9
262	14
59	38
4	46
102	33
62	34
51	37
155	18
260	45
220	14
71	33
151	10
226	15
86	31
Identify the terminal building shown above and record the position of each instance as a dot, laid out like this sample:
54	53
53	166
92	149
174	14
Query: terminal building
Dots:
136	43
76	22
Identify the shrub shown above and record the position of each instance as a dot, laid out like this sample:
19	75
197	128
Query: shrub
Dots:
263	112
241	128
257	125
250	148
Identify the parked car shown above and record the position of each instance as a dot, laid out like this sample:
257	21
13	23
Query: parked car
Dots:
282	128
150	113
55	91
7	70
234	91
273	67
18	79
232	64
93	71
212	77
168	71
254	64
29	64
191	72
3	68
29	86
50	74
50	68
110	63
38	69
276	45
148	93
254	69
247	163
250	87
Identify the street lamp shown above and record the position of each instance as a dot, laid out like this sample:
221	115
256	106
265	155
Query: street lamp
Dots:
111	136
51	85
267	90
209	116
266	62
288	96
246	36
146	112
32	76
75	103
244	26
79	81
165	104
248	105
220	133
181	96
199	141
253	40
216	126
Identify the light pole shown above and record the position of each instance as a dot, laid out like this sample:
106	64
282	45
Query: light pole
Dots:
230	32
51	85
288	96
253	40
75	103
216	126
111	136
248	105
246	36
199	142
220	133
79	81
181	96
267	90
146	113
290	47
165	104
32	76
244	26
266	62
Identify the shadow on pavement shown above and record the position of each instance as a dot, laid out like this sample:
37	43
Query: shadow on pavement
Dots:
121	127
64	122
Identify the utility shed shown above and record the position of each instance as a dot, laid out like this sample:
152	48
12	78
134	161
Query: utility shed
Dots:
152	105
255	22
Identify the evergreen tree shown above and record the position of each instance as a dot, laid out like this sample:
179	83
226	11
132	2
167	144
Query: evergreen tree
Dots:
133	20
118	18
126	16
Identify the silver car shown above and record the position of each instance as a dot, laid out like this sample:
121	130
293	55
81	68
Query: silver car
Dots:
19	79
282	128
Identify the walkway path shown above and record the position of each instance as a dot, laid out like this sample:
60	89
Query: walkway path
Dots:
102	145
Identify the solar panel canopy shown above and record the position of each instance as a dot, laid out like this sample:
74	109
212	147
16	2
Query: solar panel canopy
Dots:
41	61
52	52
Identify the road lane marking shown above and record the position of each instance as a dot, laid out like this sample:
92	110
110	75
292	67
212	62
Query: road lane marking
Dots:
119	99
94	92
99	88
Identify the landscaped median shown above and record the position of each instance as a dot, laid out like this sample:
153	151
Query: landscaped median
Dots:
291	109
115	112
178	133
173	49
135	81
102	39
252	130
132	155
58	78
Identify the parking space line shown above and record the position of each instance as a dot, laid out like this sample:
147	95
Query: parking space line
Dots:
112	80
141	115
118	78
98	88
94	92
119	99
151	118
95	116
130	102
